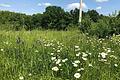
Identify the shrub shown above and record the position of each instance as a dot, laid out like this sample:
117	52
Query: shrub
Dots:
100	29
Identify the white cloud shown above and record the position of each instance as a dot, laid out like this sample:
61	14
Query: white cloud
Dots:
101	1
5	5
47	4
76	5
44	4
98	8
39	4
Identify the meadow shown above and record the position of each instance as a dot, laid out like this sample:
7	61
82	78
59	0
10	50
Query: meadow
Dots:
58	55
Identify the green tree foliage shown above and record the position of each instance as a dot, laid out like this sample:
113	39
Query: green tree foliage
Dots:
56	18
74	15
37	20
94	15
17	20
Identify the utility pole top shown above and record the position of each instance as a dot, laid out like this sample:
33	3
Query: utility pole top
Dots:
80	12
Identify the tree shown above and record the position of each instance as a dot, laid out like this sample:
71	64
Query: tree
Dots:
94	15
37	20
75	16
54	18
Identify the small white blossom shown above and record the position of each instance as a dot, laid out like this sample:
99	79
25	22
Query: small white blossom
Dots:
77	75
55	68
109	50
60	64
64	60
103	54
84	54
53	58
52	53
7	42
113	51
21	77
99	56
58	42
77	61
115	65
76	46
75	65
36	51
81	69
2	49
29	74
58	51
78	54
90	53
84	58
103	60
58	61
90	65
77	49
48	45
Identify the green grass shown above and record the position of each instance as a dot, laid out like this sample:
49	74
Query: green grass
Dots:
27	55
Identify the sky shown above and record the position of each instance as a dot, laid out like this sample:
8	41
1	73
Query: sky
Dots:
38	6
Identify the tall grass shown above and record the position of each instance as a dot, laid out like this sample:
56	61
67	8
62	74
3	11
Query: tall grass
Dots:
58	55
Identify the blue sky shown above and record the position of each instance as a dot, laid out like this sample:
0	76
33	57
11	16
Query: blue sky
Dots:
38	6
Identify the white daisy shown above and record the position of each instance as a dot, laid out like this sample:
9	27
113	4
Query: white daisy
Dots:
75	65
84	58
60	64
55	68
115	65
58	51
21	77
103	54
77	61
52	53
58	61
64	60
29	74
77	75
78	54
84	54
2	49
81	69
53	58
76	46
90	65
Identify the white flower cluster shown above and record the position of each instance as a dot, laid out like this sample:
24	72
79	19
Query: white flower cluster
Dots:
84	56
79	60
77	48
103	55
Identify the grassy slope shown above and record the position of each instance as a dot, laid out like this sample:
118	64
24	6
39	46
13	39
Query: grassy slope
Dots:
24	53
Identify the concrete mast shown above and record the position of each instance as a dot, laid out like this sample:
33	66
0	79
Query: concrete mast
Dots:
80	12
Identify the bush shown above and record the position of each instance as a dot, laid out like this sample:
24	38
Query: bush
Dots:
100	29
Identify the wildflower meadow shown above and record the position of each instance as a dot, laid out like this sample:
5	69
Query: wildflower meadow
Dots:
58	55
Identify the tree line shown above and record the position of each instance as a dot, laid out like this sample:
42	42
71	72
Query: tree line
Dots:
56	18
